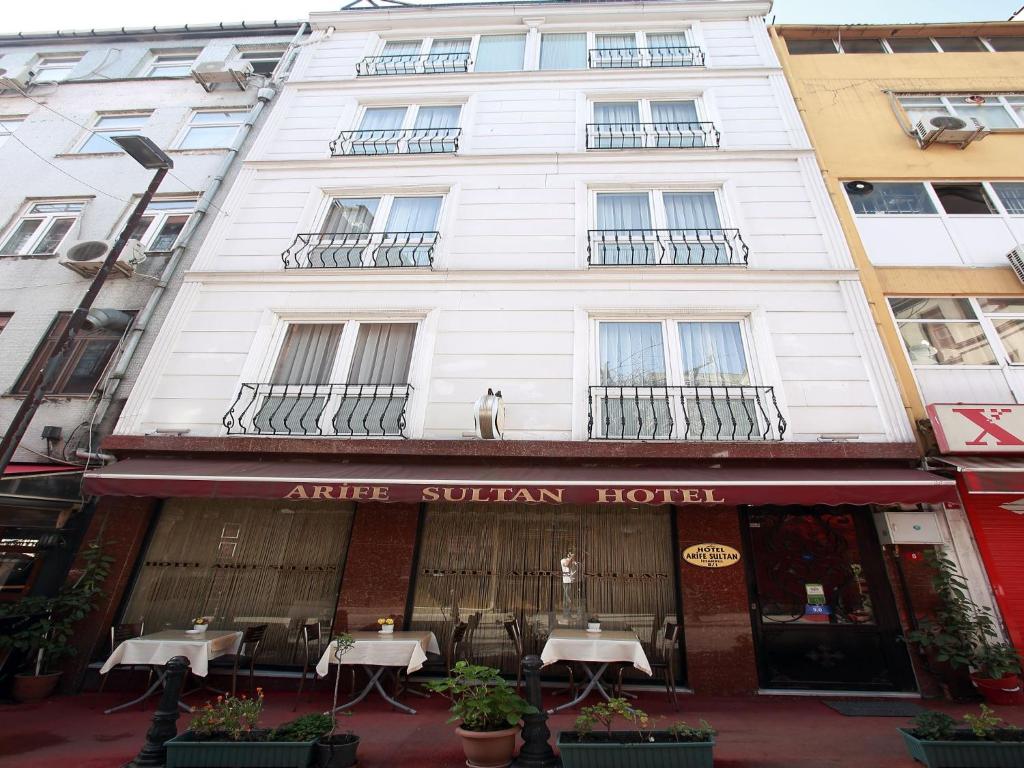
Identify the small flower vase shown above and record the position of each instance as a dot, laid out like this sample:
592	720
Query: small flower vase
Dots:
387	629
200	627
593	626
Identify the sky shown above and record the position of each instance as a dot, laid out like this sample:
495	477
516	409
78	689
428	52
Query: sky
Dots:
48	15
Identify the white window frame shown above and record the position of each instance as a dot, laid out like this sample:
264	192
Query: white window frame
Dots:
886	48
47	220
179	57
656	203
9	125
55	62
1002	99
408	121
940	211
641	40
160	216
257	53
242	113
529	59
142	115
980	318
646	113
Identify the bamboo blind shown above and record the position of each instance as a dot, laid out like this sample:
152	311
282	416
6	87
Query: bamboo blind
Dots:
243	562
503	560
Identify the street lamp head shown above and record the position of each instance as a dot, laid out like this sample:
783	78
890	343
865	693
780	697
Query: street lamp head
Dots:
143	151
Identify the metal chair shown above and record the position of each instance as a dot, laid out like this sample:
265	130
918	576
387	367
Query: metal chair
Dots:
312	644
118	634
665	663
515	633
248	652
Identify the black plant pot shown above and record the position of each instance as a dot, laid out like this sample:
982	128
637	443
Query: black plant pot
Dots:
336	751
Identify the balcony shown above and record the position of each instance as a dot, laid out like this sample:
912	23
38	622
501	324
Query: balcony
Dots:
398	141
709	414
414	64
319	410
652	136
353	250
642	58
666	247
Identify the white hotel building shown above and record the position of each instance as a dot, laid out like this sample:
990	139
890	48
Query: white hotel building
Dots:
609	212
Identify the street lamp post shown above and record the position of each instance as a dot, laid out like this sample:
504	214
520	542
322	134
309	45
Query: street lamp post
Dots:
148	155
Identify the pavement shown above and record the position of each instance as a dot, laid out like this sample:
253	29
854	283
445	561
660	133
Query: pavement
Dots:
754	732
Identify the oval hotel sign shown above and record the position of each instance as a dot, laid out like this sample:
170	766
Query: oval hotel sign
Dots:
711	555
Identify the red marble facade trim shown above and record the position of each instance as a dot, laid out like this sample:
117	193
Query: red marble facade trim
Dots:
121	524
718	634
378	569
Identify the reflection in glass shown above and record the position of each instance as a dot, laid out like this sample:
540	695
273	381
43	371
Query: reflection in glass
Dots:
941	343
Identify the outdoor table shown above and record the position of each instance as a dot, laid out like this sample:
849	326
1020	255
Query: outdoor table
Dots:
588	648
375	652
160	647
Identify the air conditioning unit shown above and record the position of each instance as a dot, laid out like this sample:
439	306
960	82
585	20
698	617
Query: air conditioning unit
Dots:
489	416
16	80
946	129
1016	259
209	73
86	256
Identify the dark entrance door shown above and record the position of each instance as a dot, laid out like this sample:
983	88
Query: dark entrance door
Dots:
823	614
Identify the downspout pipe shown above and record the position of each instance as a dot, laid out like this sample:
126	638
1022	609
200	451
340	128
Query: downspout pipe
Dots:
145	316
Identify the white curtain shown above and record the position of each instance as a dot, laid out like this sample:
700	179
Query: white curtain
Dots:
671	124
430	135
617	112
695	211
617	125
692	210
713	354
351	214
402	48
378	131
307	355
615	51
454	45
670	40
632	354
416	217
500	53
382	119
634	404
614	42
382	354
627	211
437	117
623	211
347	219
563	51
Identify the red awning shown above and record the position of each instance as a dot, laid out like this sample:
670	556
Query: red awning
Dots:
989	474
529	483
24	470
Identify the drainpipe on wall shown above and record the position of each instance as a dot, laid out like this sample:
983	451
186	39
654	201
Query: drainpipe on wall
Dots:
142	320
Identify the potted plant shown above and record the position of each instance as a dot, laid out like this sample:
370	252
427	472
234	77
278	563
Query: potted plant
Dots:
387	625
987	742
963	635
225	734
200	624
678	746
42	627
593	624
489	711
333	749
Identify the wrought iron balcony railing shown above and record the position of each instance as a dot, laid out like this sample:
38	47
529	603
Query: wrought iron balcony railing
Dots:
666	247
319	410
714	413
414	64
652	135
330	250
637	58
398	141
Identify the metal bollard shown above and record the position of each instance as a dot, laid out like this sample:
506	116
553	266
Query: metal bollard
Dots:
536	751
164	727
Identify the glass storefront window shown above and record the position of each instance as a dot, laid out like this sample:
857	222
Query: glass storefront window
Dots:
488	564
243	563
19	554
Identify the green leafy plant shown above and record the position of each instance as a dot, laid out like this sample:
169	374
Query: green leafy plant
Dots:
606	713
963	633
934	726
682	732
984	724
481	698
44	626
306	728
229	717
342	644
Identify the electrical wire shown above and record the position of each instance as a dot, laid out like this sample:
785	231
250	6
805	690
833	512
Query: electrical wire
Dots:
61	170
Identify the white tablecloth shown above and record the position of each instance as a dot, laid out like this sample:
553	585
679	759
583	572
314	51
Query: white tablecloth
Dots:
398	649
599	647
160	647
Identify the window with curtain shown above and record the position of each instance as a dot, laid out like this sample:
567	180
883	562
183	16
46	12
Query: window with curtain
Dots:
634	403
713	356
615	51
430	129
674	124
296	401
402	48
695	215
500	53
345	233
627	235
377	391
414	220
617	125
563	51
449	55
379	131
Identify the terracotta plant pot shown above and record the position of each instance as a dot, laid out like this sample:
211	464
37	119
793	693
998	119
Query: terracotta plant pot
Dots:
488	749
1006	690
34	687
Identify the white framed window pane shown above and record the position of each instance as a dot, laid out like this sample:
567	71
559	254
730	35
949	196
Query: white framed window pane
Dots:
382	354
20	236
964	199
617	112
402	48
632	354
713	354
1012	196
209	137
454	45
308	353
437	117
903	198
171	69
667	43
922	108
1011	333
563	51
382	119
263	62
500	53
351	215
941	343
692	210
674	112
55	69
140	229
922	308
911	45
53	236
811	47
1007	44
989	115
210	118
623	211
57	207
1002	305
863	45
615	42
414	214
109	122
165	239
101	142
961	44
